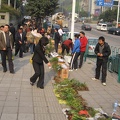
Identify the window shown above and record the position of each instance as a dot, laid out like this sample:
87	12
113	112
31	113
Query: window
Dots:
2	17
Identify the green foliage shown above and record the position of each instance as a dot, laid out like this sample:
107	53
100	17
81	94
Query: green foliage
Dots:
75	84
83	13
55	66
11	10
111	15
18	2
49	47
41	8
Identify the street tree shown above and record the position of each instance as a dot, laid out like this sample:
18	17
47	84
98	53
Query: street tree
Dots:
41	8
109	15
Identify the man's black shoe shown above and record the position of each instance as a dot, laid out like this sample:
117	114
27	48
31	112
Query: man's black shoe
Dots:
4	70
12	72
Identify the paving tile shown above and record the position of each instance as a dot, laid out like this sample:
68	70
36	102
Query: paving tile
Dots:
39	110
57	117
39	99
25	117
42	117
3	93
12	98
11	104
25	98
1	110
26	104
14	89
2	103
2	98
51	98
4	89
28	110
10	110
9	117
13	93
40	104
26	94
55	109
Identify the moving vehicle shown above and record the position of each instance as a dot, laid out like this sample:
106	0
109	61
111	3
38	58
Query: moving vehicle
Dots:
114	31
86	27
103	26
92	42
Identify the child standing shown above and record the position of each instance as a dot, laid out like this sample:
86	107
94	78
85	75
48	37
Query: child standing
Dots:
75	53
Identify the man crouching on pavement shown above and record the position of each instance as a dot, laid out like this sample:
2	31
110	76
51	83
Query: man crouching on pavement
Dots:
102	50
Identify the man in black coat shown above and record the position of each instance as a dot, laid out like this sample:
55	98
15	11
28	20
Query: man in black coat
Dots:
102	50
20	39
57	39
38	65
12	30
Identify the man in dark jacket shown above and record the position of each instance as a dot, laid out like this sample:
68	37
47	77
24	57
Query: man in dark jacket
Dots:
57	39
6	46
12	30
38	65
102	50
20	39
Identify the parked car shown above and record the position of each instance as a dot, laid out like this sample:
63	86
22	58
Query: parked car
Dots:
114	31
104	26
92	42
68	35
48	23
55	26
86	27
65	29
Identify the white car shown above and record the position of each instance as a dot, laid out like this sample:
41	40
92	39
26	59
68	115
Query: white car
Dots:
68	35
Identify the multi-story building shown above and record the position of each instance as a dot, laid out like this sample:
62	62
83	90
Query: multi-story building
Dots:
91	7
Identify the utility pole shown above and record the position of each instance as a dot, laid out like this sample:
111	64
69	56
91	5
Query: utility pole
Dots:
14	4
118	12
73	18
8	2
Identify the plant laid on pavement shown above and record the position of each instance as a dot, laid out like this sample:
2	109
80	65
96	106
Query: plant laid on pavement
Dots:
67	90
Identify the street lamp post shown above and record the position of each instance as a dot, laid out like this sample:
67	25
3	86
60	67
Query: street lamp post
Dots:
73	19
118	13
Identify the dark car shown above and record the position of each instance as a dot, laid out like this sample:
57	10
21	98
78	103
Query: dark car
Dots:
65	29
114	31
48	23
86	27
54	26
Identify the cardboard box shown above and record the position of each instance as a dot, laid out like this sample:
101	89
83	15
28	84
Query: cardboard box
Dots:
60	63
59	46
64	73
52	42
59	50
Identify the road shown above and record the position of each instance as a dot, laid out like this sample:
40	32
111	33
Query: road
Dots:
113	40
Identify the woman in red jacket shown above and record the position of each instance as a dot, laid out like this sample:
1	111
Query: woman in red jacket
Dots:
83	41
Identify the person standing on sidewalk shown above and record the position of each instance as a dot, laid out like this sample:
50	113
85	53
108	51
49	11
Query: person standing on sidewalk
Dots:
75	53
60	31
20	39
6	46
83	41
102	50
38	65
57	39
